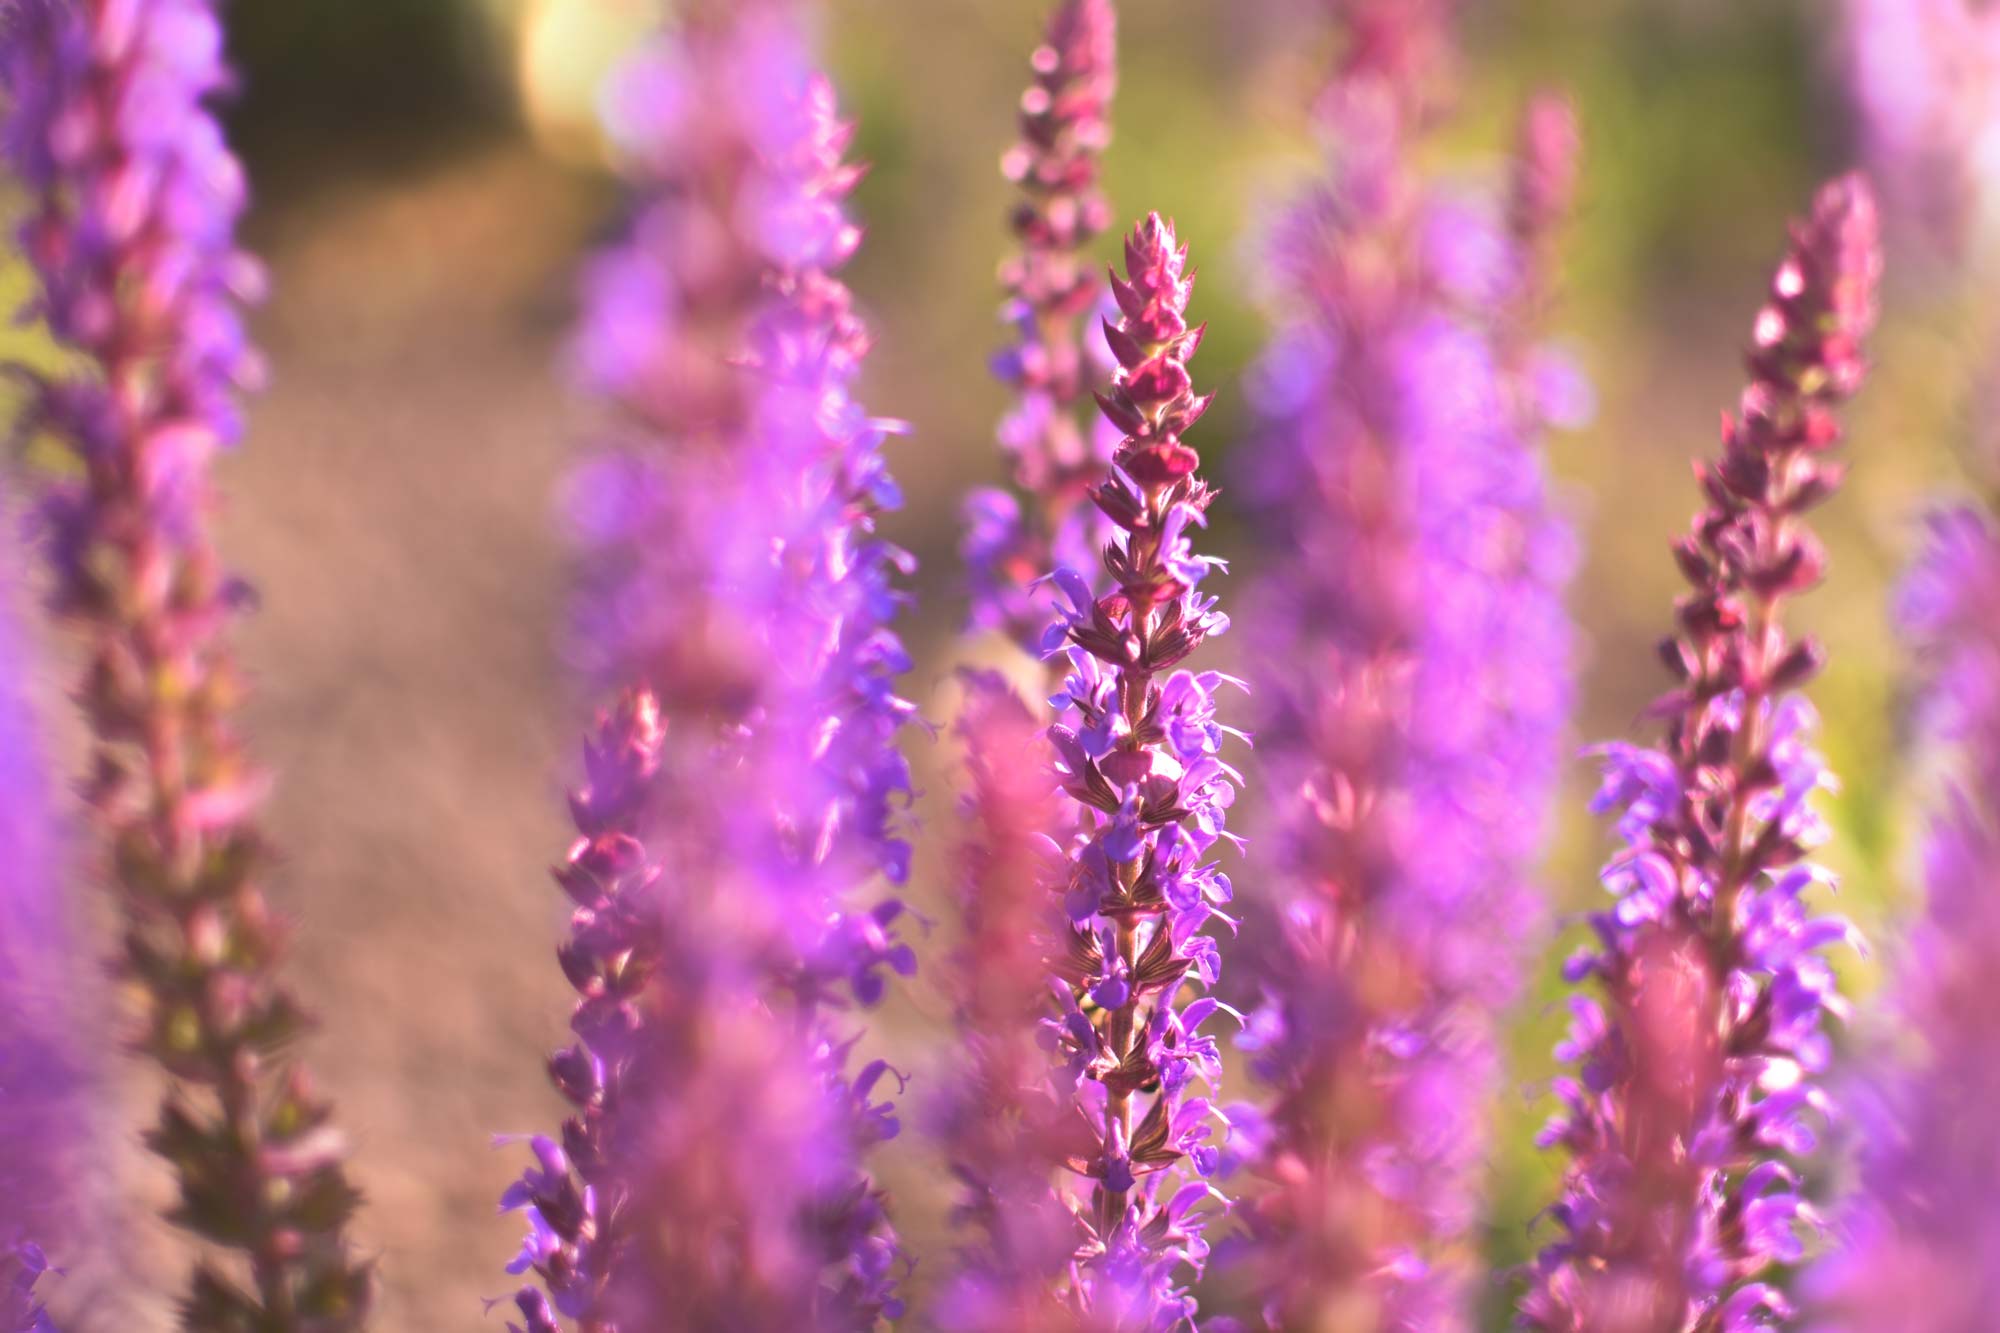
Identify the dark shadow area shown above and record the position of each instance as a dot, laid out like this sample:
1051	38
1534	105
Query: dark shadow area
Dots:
361	87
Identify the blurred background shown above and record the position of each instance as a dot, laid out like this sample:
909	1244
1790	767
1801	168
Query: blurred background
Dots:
427	178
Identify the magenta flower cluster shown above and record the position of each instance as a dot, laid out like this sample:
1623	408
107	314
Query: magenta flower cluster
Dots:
1413	675
1697	1089
1013	538
1138	748
739	799
1915	1246
1130	1141
130	229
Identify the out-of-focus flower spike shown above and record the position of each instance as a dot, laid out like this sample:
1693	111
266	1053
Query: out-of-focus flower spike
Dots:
1541	191
133	203
733	574
1915	1243
1697	1070
1414	676
696	1114
1015	536
1005	1123
1924	80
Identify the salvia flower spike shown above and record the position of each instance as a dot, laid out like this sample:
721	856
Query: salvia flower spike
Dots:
696	1115
1137	747
1005	1125
1698	1059
1414	666
1916	1243
737	583
1053	295
665	321
573	1207
726	351
1924	79
134	200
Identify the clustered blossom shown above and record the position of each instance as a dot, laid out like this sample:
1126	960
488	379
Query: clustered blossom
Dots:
1696	1089
666	313
1005	1126
133	203
1138	749
1920	1244
725	353
702	1190
1925	79
1414	663
733	575
1015	537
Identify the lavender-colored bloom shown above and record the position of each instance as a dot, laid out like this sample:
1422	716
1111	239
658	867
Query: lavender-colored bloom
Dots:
713	1175
1005	1125
704	1155
666	314
1013	538
1137	748
1924	76
1695	1093
726	354
1414	666
134	201
1920	1243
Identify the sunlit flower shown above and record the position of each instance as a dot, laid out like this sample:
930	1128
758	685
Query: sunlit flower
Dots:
1413	665
134	199
1136	748
1015	537
1696	1091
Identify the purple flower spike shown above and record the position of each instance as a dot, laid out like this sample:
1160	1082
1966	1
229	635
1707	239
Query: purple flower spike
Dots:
1917	1243
727	520
1924	76
1697	1070
134	198
736	591
1150	798
705	1138
1052	296
1414	667
1006	1126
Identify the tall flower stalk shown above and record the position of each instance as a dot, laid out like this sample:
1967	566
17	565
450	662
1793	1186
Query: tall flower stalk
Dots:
748	782
1414	668
1137	748
1924	76
1696	1091
706	1136
1005	1124
1015	537
134	201
1917	1242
